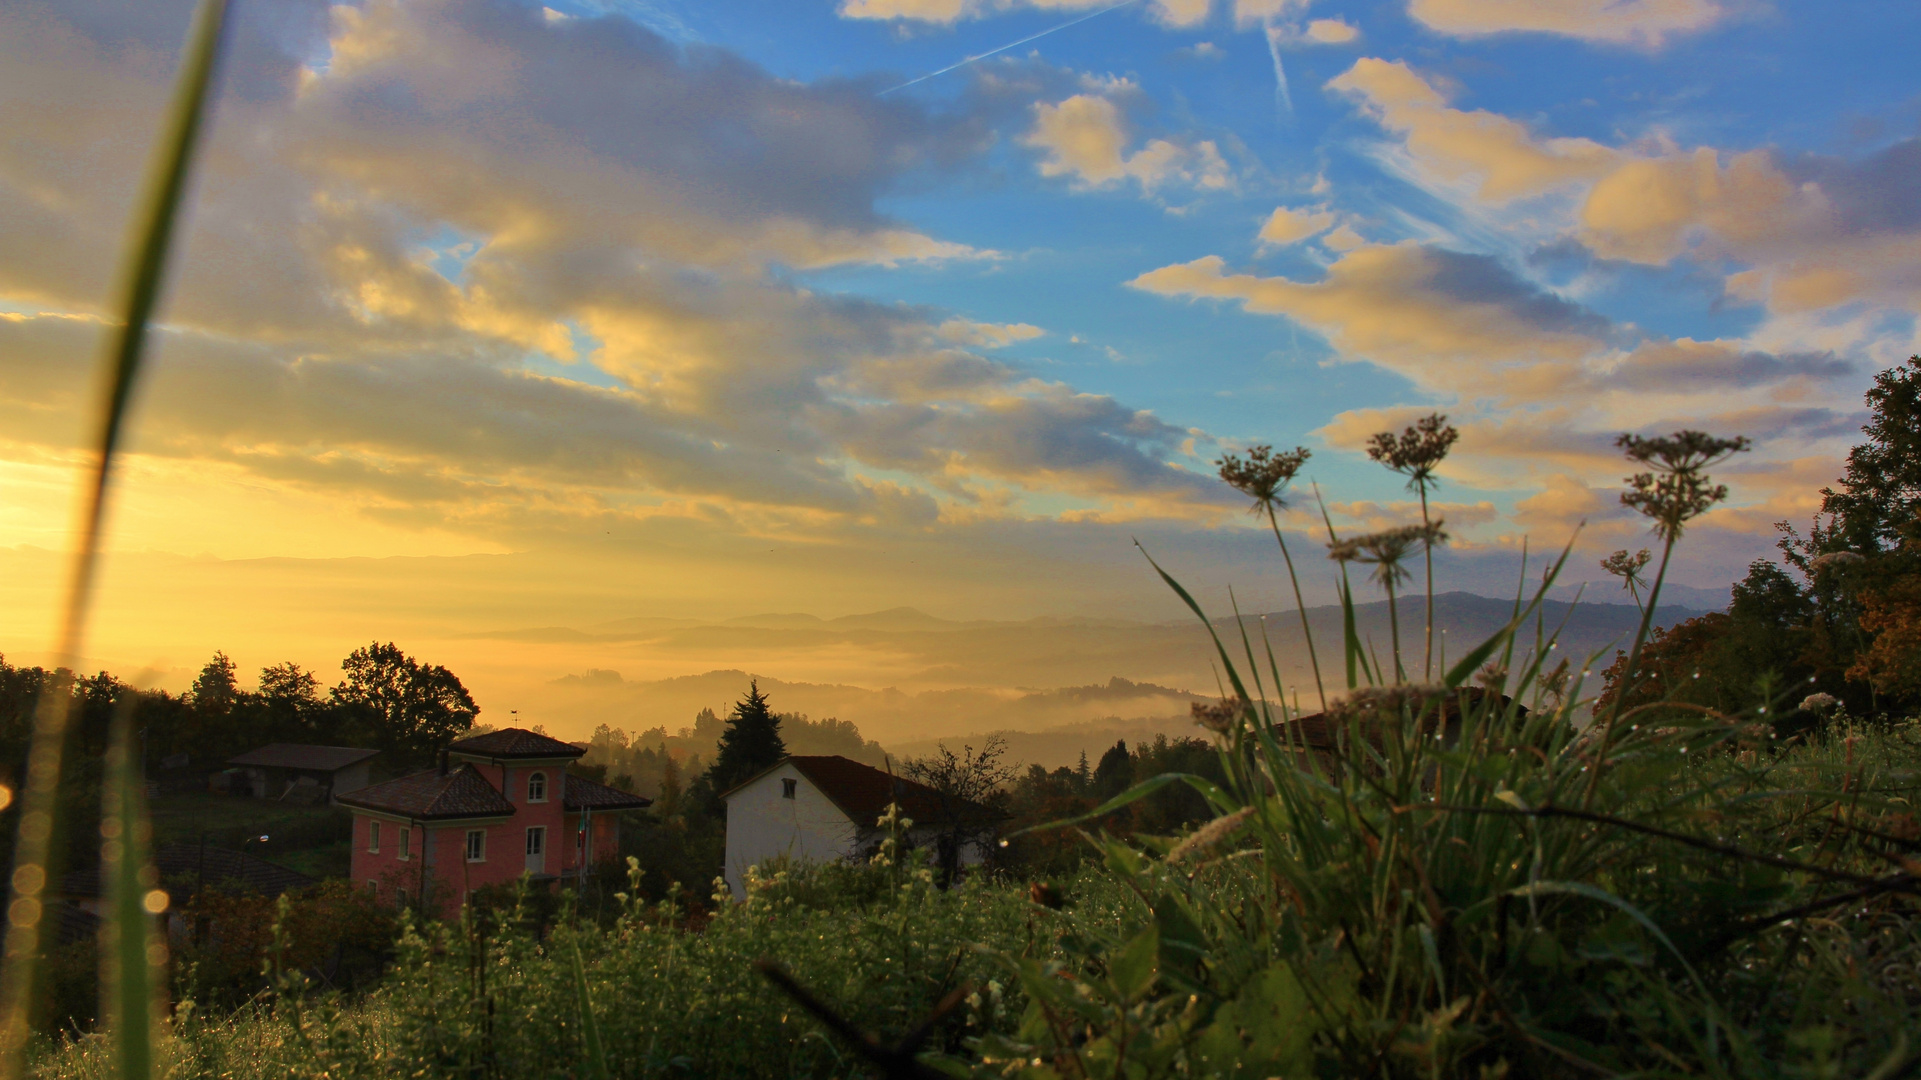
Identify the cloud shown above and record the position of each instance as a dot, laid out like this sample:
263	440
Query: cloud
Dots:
1621	22
987	335
1448	320
1505	158
1285	226
1813	232
1085	137
1173	13
1795	233
1331	32
484	270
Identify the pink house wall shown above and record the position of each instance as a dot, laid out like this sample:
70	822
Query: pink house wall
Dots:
451	876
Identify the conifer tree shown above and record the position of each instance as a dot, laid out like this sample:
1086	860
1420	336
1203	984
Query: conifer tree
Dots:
750	743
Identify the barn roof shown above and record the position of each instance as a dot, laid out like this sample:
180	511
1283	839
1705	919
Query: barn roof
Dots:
458	793
282	755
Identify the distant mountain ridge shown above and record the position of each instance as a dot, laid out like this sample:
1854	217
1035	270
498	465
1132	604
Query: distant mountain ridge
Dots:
960	678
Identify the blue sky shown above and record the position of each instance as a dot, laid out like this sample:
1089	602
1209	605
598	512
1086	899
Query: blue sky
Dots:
700	310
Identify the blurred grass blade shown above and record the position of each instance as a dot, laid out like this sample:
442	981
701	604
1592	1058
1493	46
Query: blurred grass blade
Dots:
152	235
132	956
596	1053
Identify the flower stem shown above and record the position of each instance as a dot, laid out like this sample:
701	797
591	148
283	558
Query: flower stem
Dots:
1627	673
1299	605
1427	547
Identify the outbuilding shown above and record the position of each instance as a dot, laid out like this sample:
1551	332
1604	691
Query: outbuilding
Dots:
299	772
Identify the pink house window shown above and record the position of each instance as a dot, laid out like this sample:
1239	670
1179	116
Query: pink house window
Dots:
373	837
406	843
476	845
537	787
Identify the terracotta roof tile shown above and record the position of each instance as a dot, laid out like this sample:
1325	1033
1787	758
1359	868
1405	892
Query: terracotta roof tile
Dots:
461	793
282	755
514	742
585	794
864	792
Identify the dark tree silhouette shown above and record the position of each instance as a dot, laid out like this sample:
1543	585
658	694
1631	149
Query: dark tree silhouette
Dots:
750	743
1881	490
406	708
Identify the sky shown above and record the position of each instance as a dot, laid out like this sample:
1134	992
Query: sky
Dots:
502	315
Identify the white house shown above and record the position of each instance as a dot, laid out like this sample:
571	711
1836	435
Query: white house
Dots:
821	808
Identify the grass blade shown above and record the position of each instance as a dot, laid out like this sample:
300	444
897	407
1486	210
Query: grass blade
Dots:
132	957
153	230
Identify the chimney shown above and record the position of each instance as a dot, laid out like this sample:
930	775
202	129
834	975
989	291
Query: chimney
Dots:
443	763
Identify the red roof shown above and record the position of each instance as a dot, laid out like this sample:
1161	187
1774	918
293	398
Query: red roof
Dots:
514	742
460	793
282	755
585	794
863	792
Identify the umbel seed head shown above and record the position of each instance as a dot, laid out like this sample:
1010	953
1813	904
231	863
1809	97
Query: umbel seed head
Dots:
1263	474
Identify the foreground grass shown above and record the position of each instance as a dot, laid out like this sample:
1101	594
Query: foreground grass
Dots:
1537	946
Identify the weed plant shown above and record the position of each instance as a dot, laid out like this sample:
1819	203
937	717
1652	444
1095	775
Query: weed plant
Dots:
1461	879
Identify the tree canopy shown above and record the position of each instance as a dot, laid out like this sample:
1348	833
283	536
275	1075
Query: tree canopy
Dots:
402	706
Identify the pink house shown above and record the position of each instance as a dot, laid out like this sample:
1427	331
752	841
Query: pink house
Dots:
498	806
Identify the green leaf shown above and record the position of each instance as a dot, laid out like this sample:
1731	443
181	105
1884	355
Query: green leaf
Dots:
1138	965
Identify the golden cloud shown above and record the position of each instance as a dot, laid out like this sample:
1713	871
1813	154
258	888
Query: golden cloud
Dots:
1085	137
1621	22
1506	158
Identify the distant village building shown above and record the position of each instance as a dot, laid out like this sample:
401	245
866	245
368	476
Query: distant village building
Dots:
498	806
298	772
825	808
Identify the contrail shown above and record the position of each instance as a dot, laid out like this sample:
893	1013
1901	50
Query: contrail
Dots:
1281	95
1013	44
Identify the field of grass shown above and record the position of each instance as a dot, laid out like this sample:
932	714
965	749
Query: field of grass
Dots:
310	839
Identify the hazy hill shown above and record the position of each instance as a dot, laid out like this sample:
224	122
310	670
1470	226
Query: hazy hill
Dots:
1074	679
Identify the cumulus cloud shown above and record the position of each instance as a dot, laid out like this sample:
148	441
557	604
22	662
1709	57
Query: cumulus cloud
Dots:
480	262
1331	31
1796	233
1285	226
1502	155
1085	137
1620	22
1444	318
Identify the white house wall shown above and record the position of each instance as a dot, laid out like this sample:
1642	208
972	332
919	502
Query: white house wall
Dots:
762	825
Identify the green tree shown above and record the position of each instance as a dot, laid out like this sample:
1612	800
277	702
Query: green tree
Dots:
750	743
1882	487
405	708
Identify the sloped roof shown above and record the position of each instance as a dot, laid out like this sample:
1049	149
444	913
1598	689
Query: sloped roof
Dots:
863	792
282	755
585	794
184	868
514	742
460	793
